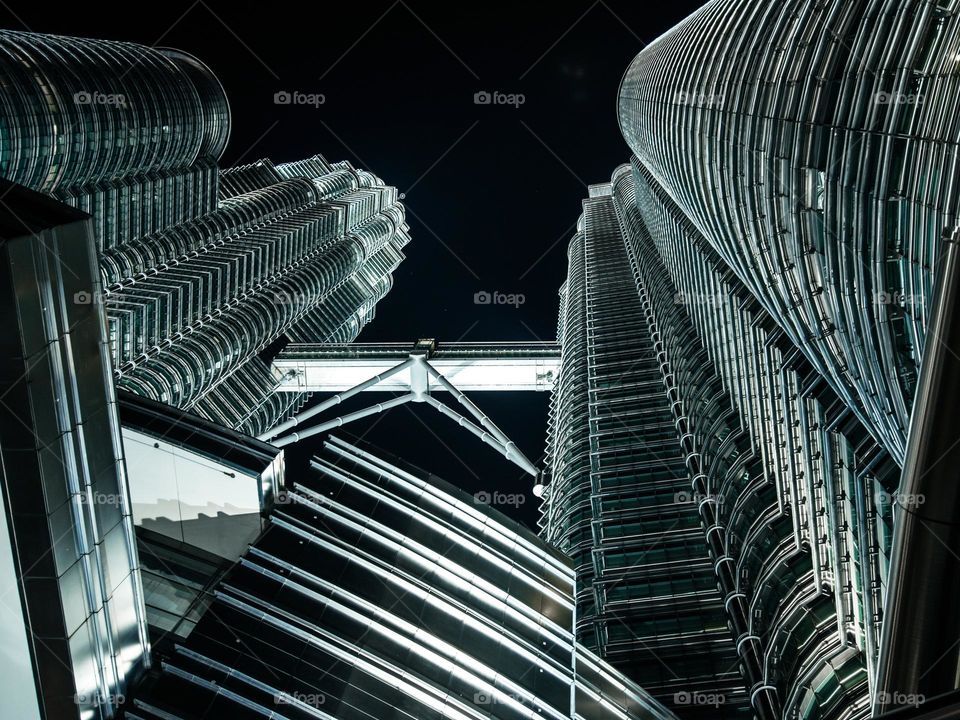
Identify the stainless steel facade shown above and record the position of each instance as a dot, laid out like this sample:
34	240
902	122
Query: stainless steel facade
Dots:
198	275
919	654
202	269
74	634
618	493
381	591
307	255
728	514
815	147
128	133
745	315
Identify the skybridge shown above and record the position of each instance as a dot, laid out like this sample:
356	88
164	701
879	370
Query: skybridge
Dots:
416	371
471	366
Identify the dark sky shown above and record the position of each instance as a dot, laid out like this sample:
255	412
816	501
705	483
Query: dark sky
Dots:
492	191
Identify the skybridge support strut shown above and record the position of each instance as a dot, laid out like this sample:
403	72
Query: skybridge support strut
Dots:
419	391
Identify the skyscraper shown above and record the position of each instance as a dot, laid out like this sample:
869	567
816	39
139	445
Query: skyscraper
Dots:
202	271
742	327
726	512
791	140
619	497
306	249
198	277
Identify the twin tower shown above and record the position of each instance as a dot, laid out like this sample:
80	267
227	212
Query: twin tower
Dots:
749	495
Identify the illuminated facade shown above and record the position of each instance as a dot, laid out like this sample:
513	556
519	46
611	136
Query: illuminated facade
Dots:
179	285
791	140
202	269
128	133
302	249
618	492
728	516
742	329
381	591
72	624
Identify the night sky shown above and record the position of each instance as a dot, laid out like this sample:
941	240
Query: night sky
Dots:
492	192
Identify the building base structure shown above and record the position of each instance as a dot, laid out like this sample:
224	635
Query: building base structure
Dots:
74	631
379	590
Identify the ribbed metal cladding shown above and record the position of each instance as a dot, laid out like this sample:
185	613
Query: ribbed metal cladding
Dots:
380	591
190	307
128	133
200	276
732	508
617	500
815	146
790	499
834	486
73	584
247	400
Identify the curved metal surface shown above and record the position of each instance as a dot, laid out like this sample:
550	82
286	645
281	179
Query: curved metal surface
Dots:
920	646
